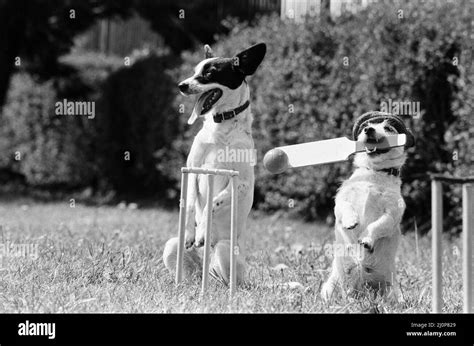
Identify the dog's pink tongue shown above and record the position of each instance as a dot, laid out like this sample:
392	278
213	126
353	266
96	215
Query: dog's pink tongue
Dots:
192	118
196	110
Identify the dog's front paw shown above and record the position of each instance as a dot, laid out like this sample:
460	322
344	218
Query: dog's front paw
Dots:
189	239
201	233
350	221
368	243
199	242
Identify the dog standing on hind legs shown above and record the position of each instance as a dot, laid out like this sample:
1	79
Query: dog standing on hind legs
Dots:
368	210
224	103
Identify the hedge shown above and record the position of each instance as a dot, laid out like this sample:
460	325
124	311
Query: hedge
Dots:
133	117
316	79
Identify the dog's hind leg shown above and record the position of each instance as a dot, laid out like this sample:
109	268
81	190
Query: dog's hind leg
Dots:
393	291
191	258
327	290
393	294
335	278
220	263
222	199
222	203
244	184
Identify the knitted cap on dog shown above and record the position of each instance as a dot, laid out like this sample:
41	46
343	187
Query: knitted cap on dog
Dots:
377	117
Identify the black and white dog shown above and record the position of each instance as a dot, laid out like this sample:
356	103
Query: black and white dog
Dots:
223	101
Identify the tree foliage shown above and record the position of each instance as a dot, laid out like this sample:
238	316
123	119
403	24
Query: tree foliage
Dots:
316	79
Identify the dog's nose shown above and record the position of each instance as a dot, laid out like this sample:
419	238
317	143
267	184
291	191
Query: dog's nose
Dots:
183	87
369	131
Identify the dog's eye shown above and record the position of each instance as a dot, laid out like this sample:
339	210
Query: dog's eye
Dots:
209	72
388	129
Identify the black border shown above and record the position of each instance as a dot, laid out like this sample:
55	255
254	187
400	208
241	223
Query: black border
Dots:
192	329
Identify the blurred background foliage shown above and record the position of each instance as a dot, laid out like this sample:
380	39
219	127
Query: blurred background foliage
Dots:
302	92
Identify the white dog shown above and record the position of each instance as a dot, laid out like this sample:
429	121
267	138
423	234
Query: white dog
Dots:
368	210
224	142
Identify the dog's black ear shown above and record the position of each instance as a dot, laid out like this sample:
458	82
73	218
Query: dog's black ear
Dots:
208	51
247	61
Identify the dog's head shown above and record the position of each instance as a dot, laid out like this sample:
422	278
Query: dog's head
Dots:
219	83
372	128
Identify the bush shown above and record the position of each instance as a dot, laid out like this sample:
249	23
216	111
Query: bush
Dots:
39	144
133	114
56	150
304	91
137	119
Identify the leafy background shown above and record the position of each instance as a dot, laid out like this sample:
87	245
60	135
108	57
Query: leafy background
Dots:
425	57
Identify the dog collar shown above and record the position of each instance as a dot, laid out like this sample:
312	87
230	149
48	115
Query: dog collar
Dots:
391	171
219	117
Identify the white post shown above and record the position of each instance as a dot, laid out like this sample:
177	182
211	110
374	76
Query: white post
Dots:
181	227
436	228
234	246
468	244
207	236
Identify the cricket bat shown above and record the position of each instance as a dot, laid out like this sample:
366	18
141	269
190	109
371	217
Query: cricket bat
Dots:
279	159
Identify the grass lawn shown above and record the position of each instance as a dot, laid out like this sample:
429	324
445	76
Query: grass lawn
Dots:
108	259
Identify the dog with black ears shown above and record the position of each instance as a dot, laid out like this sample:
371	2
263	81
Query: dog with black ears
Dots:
223	102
